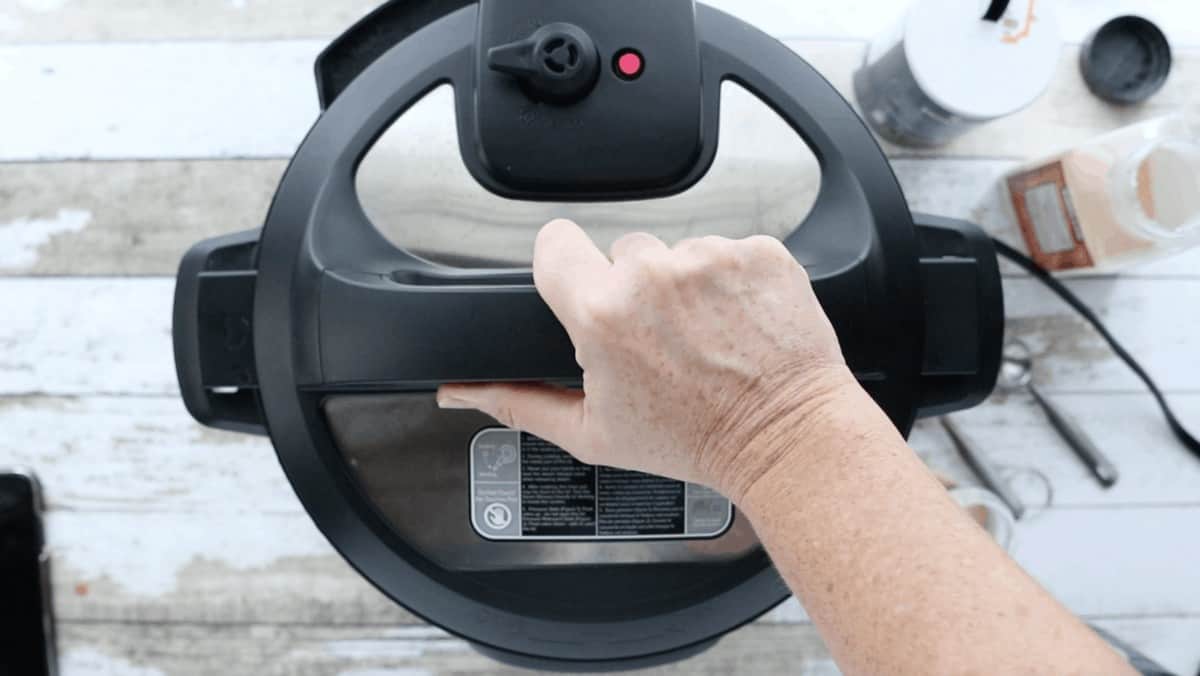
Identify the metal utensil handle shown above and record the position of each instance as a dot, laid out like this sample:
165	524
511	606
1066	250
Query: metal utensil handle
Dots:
1078	440
988	474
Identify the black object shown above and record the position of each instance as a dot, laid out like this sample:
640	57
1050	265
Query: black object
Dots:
996	10
1126	61
26	624
557	63
988	474
1026	263
349	336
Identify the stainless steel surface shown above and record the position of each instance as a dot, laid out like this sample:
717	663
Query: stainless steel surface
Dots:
986	472
411	461
413	186
1016	374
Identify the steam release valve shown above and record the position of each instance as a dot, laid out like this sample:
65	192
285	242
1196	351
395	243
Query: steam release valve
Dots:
558	63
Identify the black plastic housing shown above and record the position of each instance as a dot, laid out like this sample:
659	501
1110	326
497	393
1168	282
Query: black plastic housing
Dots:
964	314
963	310
212	330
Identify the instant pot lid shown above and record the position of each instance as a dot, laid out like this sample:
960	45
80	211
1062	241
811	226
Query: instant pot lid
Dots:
331	336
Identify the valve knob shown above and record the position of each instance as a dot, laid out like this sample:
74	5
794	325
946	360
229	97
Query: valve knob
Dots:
558	63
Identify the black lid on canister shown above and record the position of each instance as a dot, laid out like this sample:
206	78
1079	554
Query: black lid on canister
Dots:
1126	61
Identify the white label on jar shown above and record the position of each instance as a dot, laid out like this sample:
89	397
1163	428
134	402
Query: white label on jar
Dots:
1044	204
1046	214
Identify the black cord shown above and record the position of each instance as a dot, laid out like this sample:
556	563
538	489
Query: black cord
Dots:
1071	299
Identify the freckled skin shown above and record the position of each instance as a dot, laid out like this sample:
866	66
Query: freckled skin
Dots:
712	361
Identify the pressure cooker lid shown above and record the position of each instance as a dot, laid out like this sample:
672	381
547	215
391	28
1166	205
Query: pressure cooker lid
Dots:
395	258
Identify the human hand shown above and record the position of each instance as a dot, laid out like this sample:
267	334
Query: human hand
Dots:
697	360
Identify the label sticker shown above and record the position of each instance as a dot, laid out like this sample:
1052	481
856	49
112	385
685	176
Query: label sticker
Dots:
1046	213
525	488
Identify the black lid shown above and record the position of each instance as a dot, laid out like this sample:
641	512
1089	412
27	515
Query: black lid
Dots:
1127	60
350	335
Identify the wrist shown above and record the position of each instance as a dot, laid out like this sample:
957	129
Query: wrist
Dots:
798	416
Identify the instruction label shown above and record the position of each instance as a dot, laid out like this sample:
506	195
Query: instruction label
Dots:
523	487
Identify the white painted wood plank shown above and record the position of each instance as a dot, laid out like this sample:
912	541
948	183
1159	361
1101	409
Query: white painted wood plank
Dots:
42	21
150	514
28	21
137	218
1115	562
105	335
276	568
86	336
215	567
157	100
1012	432
124	218
146	455
1150	318
140	454
153	519
186	650
1103	563
1170	641
105	649
257	99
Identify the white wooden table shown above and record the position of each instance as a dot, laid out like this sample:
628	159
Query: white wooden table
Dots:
129	130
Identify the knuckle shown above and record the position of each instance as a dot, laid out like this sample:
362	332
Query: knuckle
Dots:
767	247
713	248
650	268
769	256
701	246
635	246
633	238
640	271
689	268
684	245
723	256
603	310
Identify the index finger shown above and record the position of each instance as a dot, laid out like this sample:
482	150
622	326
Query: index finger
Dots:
565	263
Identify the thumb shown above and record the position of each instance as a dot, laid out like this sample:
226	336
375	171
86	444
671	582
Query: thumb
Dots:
552	413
